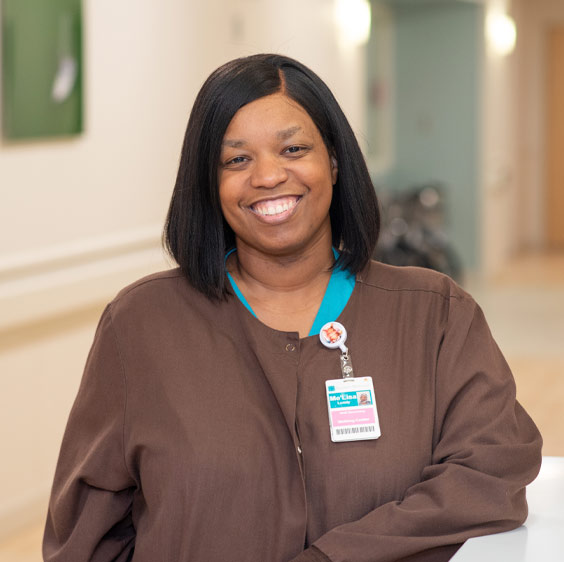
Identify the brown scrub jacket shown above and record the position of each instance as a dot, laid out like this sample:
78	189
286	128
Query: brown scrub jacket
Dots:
201	435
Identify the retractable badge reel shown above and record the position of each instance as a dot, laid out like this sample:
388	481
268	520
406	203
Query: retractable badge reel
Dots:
350	400
333	335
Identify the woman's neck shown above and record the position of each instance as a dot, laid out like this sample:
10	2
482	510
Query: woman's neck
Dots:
285	292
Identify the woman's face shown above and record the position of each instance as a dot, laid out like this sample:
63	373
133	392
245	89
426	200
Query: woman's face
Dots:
276	178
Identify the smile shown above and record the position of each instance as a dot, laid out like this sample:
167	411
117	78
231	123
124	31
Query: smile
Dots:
275	208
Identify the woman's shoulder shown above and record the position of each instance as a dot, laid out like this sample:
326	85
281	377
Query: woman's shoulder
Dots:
159	291
410	279
155	282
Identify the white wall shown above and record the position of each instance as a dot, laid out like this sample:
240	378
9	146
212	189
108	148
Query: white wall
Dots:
307	31
499	159
513	151
81	217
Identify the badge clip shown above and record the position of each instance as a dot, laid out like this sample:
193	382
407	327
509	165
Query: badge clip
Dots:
346	366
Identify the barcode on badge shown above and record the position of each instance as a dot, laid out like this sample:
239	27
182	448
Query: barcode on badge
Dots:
353	430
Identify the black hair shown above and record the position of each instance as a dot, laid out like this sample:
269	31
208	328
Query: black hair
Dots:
196	234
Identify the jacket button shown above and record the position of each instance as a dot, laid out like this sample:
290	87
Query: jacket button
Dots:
299	450
290	347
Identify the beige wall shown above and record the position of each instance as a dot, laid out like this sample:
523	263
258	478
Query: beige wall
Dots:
513	175
81	217
534	19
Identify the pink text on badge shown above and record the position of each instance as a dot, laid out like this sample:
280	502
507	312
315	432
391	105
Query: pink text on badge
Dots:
359	416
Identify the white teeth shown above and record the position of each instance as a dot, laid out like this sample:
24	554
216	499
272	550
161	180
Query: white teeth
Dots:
269	208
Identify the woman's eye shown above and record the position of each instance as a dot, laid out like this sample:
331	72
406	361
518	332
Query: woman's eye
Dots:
297	150
294	149
236	160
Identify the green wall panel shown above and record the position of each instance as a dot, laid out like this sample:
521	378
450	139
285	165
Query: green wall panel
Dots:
41	68
438	54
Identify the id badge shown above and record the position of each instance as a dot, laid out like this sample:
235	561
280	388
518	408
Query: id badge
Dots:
352	409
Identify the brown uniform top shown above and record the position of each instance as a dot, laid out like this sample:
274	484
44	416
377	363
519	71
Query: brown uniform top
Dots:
183	443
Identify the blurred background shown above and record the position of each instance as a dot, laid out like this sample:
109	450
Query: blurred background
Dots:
458	106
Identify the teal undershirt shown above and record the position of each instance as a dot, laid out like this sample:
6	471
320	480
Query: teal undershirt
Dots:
337	295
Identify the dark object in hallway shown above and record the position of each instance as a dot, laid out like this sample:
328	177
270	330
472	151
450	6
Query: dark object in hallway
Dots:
413	231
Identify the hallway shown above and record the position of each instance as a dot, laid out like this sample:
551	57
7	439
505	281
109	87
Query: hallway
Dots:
524	306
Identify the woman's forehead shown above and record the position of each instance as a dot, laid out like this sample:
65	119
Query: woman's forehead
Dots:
277	114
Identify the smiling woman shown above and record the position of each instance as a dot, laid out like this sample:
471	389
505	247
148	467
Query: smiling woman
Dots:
279	397
276	182
275	187
216	149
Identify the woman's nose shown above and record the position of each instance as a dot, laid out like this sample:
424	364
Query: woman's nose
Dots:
268	171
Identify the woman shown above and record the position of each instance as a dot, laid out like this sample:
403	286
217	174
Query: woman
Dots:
201	428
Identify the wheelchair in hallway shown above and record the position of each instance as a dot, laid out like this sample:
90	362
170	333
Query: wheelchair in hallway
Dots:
412	232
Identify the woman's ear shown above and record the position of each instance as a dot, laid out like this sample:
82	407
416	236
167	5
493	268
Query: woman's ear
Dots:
334	170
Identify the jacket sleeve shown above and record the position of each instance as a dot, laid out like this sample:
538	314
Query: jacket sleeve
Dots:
89	517
486	449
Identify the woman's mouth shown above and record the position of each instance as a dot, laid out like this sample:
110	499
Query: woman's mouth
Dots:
275	209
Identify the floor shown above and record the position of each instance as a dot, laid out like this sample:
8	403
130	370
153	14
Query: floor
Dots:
525	309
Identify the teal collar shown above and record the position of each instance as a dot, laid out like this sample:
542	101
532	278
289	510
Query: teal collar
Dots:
337	295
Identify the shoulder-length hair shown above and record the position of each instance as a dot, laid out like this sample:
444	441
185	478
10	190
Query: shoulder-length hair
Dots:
196	234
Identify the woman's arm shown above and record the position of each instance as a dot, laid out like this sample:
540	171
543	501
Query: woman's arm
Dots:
89	515
486	450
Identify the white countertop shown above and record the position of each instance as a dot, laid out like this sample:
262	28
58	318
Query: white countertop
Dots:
541	538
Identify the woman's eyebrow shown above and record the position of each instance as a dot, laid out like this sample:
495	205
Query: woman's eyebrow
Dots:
282	135
233	143
287	133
